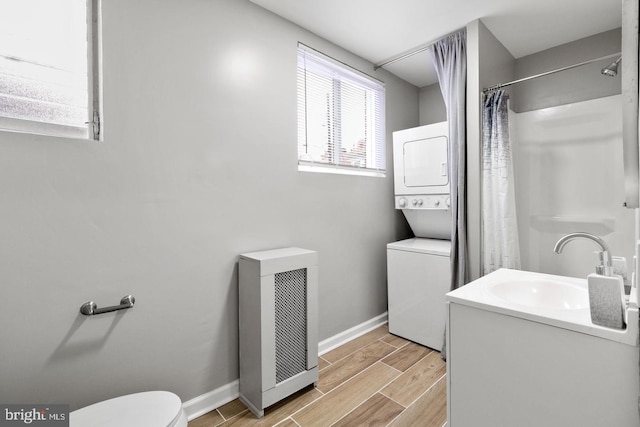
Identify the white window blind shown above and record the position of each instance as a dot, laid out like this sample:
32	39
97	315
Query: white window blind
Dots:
340	117
48	67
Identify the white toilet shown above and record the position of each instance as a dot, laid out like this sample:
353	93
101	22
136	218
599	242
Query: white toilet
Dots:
150	408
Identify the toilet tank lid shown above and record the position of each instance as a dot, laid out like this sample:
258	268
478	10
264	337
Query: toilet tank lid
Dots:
154	408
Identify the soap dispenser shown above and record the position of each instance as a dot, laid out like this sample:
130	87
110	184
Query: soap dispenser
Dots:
606	295
606	290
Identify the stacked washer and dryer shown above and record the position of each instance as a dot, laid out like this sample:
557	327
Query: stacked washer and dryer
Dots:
418	269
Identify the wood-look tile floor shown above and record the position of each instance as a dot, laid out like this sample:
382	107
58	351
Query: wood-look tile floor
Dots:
377	379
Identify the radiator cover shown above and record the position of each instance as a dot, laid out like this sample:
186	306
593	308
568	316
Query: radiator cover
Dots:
278	325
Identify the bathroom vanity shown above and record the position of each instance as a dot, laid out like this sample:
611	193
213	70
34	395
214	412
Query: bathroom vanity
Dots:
522	351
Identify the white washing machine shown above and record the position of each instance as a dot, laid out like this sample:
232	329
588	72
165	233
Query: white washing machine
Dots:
419	276
418	269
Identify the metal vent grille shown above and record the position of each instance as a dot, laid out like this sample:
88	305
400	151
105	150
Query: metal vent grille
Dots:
291	323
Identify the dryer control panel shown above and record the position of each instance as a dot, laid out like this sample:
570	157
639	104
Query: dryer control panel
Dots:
424	202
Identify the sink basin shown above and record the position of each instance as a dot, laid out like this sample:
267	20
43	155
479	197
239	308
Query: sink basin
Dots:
548	299
542	293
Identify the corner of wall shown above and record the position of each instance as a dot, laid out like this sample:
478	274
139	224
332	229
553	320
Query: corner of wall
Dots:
473	148
488	63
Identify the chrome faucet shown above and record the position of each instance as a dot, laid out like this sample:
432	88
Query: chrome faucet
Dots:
605	268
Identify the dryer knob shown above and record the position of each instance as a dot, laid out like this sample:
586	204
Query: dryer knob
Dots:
402	202
414	202
419	202
448	201
437	203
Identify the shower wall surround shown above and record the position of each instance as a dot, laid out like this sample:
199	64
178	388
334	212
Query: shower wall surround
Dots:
569	177
568	157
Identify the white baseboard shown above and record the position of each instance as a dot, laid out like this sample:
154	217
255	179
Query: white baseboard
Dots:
351	334
209	401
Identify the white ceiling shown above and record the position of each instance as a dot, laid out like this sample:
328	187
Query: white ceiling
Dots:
378	30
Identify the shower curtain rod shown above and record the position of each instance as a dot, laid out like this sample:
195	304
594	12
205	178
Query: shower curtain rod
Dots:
568	67
409	54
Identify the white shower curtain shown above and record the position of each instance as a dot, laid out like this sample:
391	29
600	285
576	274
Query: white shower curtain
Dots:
500	227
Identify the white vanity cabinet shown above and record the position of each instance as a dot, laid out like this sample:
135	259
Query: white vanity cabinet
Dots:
504	370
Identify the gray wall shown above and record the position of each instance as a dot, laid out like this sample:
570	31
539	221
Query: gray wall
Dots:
198	165
574	85
432	107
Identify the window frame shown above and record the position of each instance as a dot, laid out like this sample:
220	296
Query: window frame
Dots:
355	77
93	130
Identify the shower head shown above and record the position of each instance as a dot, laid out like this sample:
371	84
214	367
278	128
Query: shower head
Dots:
612	69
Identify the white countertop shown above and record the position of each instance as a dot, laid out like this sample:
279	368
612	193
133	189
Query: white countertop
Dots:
478	294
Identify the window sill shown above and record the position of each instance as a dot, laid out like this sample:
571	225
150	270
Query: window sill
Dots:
318	168
43	129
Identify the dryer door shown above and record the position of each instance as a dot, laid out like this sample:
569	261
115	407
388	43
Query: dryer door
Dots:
420	160
425	162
